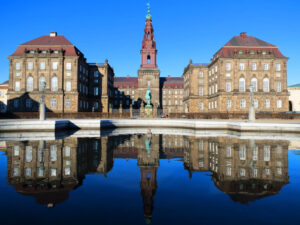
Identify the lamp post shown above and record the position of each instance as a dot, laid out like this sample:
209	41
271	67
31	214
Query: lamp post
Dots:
42	102
251	108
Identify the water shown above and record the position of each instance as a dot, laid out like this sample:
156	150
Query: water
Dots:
149	178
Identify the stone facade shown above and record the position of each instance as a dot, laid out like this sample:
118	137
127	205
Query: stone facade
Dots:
70	87
101	86
3	97
224	84
172	94
294	98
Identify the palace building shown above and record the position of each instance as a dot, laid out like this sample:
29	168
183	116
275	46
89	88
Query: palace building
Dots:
245	68
224	84
72	85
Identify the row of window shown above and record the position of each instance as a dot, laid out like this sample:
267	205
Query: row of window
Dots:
267	172
68	74
127	102
242	151
122	92
243	104
83	70
83	89
170	92
40	172
29	103
213	147
211	72
229	75
170	102
242	86
43	51
242	67
42	65
252	52
83	104
28	153
125	86
180	96
42	80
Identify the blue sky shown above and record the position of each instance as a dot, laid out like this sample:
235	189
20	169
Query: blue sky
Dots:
184	30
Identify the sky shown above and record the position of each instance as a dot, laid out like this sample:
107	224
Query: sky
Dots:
184	30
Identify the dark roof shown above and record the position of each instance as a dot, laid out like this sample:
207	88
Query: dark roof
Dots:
171	80
248	41
126	79
44	195
47	40
295	85
6	82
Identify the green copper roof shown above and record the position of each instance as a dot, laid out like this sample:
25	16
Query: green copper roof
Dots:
295	85
149	11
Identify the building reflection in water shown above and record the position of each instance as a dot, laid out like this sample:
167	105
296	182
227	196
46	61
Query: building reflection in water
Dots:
246	170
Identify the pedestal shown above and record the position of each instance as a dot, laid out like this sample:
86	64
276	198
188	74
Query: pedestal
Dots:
148	111
130	111
251	113
42	111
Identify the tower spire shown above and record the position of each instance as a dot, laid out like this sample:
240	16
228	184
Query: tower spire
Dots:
149	11
148	51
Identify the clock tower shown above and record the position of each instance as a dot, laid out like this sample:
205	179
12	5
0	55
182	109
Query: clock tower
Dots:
148	74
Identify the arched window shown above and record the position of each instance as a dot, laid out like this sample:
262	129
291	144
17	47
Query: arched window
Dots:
148	59
266	86
254	84
54	84
41	81
242	84
29	86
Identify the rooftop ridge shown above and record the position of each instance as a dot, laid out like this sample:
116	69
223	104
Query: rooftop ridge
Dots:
48	40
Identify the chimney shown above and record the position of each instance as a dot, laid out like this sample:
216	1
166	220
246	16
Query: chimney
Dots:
243	35
53	34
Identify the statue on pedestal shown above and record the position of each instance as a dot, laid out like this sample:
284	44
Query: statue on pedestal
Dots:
148	97
148	107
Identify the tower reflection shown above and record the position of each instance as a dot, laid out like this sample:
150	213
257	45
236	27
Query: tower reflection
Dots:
246	170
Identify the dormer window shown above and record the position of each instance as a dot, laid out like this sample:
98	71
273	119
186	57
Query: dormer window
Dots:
44	52
31	51
55	51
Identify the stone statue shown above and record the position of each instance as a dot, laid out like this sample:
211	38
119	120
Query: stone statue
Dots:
148	97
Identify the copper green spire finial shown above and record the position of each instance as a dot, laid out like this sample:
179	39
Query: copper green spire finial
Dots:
149	11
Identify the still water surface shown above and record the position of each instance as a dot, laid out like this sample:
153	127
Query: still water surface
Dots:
143	179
